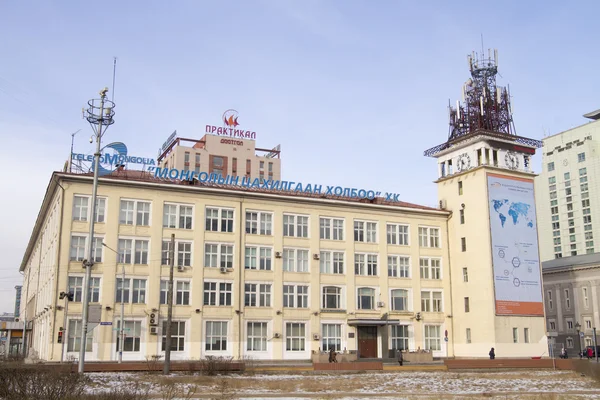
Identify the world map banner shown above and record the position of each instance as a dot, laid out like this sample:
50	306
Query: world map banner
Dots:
515	255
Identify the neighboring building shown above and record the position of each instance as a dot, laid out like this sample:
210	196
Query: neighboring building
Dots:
568	191
485	180
6	317
260	273
17	300
224	156
571	288
11	337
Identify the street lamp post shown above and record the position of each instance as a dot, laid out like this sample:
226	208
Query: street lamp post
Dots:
122	323
577	328
100	115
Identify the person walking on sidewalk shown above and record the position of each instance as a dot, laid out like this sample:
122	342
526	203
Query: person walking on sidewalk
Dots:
400	357
492	354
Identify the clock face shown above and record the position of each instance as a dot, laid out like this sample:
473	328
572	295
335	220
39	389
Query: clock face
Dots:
464	162
511	160
565	162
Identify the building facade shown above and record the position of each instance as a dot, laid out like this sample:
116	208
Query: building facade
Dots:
258	274
571	290
224	156
568	190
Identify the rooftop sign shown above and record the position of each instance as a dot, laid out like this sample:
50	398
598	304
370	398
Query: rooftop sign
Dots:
112	160
229	128
167	143
268	184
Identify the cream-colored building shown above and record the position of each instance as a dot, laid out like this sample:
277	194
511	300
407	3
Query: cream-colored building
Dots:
263	274
223	155
568	191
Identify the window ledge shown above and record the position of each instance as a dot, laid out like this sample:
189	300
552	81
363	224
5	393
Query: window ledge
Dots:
330	310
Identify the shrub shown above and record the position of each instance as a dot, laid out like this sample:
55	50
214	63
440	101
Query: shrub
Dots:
29	382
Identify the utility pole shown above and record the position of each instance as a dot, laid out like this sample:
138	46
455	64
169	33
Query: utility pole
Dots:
167	364
99	114
68	296
122	323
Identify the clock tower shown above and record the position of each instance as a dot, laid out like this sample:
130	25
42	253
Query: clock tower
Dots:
485	179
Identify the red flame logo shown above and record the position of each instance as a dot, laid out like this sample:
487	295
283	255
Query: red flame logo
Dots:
230	117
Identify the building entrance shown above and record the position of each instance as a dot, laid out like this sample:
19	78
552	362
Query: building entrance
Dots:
367	341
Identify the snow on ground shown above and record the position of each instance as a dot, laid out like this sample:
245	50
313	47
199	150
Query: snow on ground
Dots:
350	386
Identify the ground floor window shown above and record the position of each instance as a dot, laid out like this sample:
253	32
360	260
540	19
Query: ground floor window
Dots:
74	334
256	333
295	336
216	336
177	335
433	339
331	337
399	337
569	343
588	342
133	335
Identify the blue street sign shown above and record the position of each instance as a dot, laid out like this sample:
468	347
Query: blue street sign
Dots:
105	323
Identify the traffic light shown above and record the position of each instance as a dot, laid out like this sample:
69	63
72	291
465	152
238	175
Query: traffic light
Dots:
60	334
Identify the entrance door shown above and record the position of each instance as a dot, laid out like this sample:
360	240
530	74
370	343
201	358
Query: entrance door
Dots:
367	341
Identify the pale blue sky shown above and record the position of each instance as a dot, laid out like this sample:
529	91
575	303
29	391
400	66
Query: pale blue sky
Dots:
354	91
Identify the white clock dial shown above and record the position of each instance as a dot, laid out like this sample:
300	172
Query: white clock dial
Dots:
464	162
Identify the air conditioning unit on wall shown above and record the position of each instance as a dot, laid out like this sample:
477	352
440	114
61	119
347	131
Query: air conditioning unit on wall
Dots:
276	335
223	270
154	330
316	256
316	336
181	268
380	304
277	254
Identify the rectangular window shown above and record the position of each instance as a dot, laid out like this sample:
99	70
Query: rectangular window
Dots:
526	335
133	338
133	212
257	295
197	160
177	335
588	324
431	301
430	268
217	293
397	234
295	260
259	223
582	171
74	340
581	157
569	343
183	253
567	299
569	325
399	300
515	335
399	337
81	209
460	188
549	298
331	262
216	336
551	180
465	275
550	166
366	298
433	337
365	232
429	237
295	296
77	250
468	335
256	334
332	298
399	266
331	228
177	216
462	216
586	302
127	254
258	258
467	308
248	168
295	336
365	264
75	287
219	219
218	255
295	226
463	244
567	176
331	337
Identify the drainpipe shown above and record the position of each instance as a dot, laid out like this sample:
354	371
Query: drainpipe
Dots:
241	283
57	274
450	279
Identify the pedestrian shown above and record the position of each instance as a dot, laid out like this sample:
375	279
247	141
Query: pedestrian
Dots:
400	358
492	354
589	353
332	356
